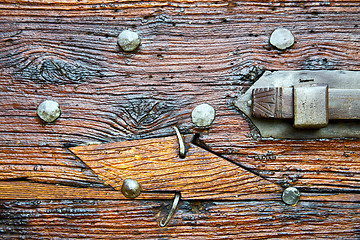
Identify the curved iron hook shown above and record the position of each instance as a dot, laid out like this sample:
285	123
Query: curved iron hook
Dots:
167	219
181	142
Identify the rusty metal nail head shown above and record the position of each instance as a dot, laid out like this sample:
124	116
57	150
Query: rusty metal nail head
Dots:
48	111
130	188
203	115
128	40
291	196
282	38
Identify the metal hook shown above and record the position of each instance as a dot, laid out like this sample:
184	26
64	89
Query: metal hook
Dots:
181	142
167	219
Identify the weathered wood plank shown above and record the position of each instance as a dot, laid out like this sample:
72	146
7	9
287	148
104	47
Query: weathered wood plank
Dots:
192	52
22	190
25	190
109	96
45	164
156	165
323	165
195	220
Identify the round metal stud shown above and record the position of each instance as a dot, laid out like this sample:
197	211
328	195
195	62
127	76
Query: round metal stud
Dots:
128	40
48	111
291	196
131	188
203	115
282	38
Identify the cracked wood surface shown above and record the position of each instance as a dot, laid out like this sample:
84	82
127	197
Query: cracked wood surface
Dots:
156	165
314	165
109	96
111	219
192	52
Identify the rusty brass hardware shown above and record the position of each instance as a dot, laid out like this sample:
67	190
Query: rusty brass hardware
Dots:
49	111
165	221
304	104
203	115
307	104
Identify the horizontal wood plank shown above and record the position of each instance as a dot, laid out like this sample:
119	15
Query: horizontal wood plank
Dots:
194	220
23	190
313	165
156	165
27	190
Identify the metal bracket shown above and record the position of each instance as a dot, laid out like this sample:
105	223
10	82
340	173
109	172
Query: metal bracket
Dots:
324	101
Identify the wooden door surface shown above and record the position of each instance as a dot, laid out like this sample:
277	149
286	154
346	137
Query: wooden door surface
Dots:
191	52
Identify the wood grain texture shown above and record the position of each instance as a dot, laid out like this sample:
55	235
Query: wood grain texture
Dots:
313	166
192	52
194	220
27	190
156	165
22	190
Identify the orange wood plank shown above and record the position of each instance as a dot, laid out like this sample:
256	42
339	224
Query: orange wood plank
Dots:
155	164
27	190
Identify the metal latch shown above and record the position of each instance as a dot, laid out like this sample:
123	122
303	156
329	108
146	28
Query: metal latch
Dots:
304	104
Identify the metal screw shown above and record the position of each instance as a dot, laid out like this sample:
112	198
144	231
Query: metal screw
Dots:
128	40
130	188
203	115
291	196
282	38
48	110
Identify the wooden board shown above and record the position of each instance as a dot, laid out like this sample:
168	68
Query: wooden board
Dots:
314	165
192	52
155	164
21	190
195	220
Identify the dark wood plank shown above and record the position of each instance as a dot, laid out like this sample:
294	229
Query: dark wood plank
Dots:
96	219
